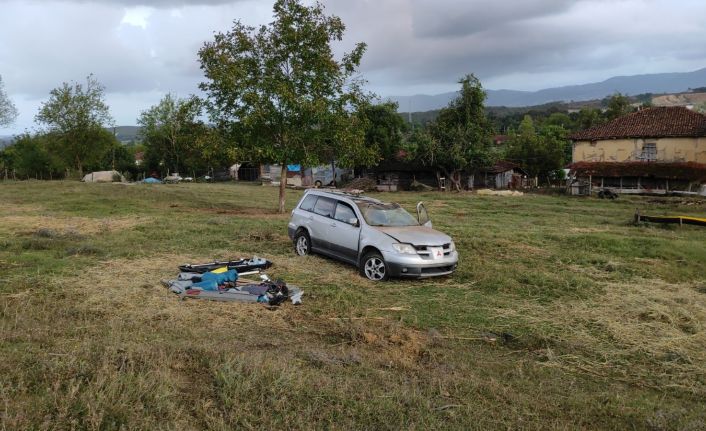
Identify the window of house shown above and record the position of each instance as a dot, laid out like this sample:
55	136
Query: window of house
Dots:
649	151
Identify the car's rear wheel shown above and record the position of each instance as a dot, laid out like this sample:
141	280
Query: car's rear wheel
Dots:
302	243
373	267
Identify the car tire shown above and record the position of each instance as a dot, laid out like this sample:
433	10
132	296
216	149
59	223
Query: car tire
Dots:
373	267
317	184
302	243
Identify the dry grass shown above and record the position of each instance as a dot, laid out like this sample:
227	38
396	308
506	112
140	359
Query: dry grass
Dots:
593	325
83	225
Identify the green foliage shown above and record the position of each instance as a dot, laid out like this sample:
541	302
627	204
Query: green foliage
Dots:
541	153
30	156
384	131
171	132
121	158
617	106
8	112
75	115
280	92
461	134
588	117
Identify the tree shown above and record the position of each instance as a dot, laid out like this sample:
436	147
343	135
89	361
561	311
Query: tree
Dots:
32	158
76	115
169	130
384	131
461	134
282	94
618	105
541	153
8	112
587	118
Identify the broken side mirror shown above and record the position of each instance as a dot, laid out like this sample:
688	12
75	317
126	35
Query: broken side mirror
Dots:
423	215
353	221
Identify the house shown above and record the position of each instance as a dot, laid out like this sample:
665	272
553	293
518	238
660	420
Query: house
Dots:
656	150
502	175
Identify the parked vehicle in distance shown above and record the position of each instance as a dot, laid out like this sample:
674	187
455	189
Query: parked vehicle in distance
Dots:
380	238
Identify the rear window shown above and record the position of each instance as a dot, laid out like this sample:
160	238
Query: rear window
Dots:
324	206
308	203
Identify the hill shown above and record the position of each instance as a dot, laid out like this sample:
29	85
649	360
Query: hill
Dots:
126	134
630	85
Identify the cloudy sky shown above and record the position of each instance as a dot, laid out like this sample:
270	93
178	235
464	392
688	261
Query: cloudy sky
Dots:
141	50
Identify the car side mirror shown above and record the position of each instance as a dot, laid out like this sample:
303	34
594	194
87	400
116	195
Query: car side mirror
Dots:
353	221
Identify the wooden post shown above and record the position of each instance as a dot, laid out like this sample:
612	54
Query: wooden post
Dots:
590	185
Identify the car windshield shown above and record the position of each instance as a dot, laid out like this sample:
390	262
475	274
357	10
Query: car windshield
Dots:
379	214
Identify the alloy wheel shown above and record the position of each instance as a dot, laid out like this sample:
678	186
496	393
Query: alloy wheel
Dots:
375	269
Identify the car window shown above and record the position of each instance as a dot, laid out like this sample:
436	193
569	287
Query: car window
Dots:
308	203
382	214
344	212
324	206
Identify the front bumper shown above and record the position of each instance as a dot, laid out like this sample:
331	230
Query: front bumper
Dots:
410	265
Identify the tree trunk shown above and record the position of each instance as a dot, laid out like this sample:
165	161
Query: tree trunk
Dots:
79	166
455	177
282	187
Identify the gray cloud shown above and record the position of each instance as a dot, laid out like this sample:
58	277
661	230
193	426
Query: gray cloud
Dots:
141	50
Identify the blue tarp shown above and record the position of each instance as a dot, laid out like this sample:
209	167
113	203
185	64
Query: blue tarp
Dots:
151	180
294	168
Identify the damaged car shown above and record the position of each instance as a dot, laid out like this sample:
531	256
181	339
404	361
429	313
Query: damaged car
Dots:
381	238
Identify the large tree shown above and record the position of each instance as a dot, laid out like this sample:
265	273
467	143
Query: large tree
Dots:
461	133
170	129
541	153
76	115
617	105
280	91
384	129
8	112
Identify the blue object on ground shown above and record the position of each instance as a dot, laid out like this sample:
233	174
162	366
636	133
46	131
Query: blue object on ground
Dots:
151	180
207	285
220	277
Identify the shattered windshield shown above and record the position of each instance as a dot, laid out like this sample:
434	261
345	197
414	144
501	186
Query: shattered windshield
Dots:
386	215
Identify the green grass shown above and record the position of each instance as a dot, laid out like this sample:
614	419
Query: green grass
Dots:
603	320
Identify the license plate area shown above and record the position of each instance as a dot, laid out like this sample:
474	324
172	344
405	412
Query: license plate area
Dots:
436	253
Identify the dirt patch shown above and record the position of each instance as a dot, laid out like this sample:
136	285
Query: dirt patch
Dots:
588	229
247	212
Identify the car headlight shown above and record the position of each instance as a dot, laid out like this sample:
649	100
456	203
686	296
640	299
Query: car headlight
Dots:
452	246
404	248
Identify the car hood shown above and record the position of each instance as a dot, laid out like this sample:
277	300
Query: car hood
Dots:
416	235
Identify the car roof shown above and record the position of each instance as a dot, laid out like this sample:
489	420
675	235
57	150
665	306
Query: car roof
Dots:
356	198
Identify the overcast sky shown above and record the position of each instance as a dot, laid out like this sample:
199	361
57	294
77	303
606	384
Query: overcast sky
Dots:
141	50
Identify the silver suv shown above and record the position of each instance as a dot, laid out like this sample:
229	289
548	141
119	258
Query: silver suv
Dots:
381	239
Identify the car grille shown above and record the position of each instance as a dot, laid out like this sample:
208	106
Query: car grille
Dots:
424	253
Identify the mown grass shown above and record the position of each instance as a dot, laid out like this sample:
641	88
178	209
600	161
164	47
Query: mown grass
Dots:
562	314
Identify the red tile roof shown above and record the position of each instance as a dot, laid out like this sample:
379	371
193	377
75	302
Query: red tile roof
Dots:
661	122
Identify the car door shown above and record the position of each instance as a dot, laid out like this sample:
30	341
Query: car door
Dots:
423	215
344	232
319	224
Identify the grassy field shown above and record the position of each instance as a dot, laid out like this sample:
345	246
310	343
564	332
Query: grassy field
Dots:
562	315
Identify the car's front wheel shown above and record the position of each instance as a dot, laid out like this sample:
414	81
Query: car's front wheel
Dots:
373	267
302	243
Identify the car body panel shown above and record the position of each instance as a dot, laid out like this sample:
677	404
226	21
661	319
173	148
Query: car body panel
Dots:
435	254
